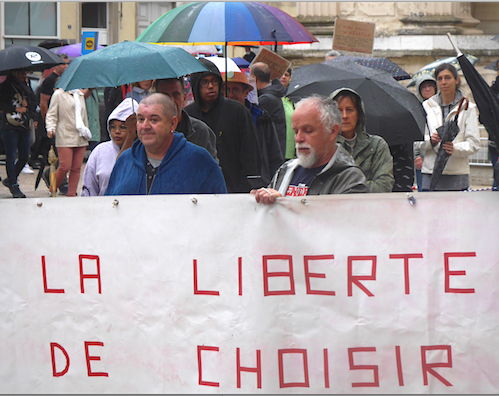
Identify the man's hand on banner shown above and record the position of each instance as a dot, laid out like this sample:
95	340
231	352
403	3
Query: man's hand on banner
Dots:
266	195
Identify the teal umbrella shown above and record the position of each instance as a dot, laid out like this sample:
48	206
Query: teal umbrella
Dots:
126	63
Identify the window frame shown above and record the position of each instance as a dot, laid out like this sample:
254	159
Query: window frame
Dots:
6	39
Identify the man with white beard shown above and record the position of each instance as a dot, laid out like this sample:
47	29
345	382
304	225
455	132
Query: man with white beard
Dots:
323	166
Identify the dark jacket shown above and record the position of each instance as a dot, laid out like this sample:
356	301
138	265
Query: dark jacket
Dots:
495	89
185	169
270	149
269	99
339	176
237	145
12	92
197	132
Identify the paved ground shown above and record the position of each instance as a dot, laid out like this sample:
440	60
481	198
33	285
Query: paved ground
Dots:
27	185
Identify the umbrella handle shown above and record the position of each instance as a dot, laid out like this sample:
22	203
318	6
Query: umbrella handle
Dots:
464	98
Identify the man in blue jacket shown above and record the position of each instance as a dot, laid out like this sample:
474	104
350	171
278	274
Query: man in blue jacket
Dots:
162	161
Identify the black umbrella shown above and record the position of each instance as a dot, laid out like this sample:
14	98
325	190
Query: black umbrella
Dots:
28	58
486	101
447	133
379	63
48	44
392	111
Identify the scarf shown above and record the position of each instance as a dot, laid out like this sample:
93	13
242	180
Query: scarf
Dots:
82	129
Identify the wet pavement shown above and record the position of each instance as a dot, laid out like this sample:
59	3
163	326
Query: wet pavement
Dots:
27	185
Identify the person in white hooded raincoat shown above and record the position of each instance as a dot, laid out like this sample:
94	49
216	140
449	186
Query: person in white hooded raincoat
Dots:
101	162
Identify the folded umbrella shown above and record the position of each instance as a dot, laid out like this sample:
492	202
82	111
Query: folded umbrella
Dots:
43	164
52	161
392	111
486	101
447	133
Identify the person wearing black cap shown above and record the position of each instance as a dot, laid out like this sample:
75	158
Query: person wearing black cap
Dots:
237	144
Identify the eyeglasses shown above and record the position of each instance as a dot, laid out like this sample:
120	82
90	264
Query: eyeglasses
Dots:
234	90
122	128
205	83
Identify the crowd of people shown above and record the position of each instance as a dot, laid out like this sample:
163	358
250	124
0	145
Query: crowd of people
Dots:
223	143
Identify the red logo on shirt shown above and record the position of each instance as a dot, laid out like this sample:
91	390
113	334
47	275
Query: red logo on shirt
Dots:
297	191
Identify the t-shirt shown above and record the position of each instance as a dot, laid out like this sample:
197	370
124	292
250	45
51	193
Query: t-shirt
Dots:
49	84
301	181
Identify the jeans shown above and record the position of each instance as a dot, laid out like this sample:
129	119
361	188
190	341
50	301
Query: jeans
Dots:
493	152
15	141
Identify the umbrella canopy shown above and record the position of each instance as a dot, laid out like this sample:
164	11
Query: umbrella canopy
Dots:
128	62
220	64
492	66
72	50
447	133
233	23
392	111
379	63
48	44
486	101
207	49
28	58
241	62
430	68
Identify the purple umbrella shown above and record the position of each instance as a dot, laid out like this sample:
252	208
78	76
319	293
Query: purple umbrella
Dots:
72	50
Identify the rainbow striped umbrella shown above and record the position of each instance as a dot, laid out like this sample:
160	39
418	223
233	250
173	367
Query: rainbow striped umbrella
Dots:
229	23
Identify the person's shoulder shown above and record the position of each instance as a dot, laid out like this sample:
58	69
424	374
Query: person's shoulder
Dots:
200	153
127	155
199	125
103	147
57	93
379	140
343	159
346	169
193	110
233	104
50	81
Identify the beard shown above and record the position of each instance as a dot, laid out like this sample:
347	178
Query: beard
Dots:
306	160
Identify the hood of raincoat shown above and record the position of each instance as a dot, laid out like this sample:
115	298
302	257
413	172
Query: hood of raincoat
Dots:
420	80
361	122
196	78
122	112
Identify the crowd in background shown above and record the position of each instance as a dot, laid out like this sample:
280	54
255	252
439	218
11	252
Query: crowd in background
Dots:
250	143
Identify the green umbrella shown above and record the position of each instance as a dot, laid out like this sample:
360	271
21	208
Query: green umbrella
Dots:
126	63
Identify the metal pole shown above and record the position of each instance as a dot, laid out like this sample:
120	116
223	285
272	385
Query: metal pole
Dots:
459	53
226	55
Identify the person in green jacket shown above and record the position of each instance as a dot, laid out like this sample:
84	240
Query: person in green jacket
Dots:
289	108
370	152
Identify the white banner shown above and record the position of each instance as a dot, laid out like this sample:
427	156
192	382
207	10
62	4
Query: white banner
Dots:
216	294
